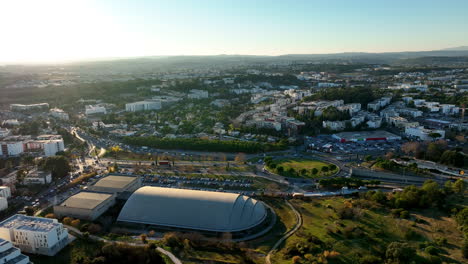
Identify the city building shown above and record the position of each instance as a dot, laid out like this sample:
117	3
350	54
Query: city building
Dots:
37	177
193	210
143	106
59	114
85	205
10	254
3	203
95	109
29	107
4	132
35	235
198	94
10	147
365	136
121	185
11	122
424	133
5	192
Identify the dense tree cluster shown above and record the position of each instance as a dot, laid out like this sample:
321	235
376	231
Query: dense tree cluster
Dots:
339	182
437	151
59	166
121	253
204	144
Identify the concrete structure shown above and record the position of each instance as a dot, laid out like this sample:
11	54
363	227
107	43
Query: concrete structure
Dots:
58	113
5	192
11	148
10	254
4	132
95	109
424	133
143	106
35	235
117	184
3	203
198	94
85	205
37	177
365	136
29	107
193	210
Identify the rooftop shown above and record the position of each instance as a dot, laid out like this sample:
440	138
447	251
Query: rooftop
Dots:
115	181
86	200
29	223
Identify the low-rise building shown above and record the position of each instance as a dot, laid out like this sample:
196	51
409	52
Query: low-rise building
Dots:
198	94
35	235
10	254
143	106
95	109
29	107
37	177
424	133
85	205
59	114
3	203
121	185
5	192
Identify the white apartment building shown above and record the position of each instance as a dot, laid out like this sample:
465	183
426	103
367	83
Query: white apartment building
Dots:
5	192
374	122
95	109
423	133
449	109
35	235
3	203
11	122
10	254
4	132
143	106
334	125
198	94
374	106
59	114
37	177
22	107
11	148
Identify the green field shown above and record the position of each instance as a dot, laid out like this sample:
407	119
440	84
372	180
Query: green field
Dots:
367	232
301	168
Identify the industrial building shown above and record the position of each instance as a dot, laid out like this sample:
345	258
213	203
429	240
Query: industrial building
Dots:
182	209
85	205
121	185
360	136
35	235
10	254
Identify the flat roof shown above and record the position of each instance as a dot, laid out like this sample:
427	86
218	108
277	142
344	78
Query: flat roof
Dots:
86	200
365	134
115	181
30	223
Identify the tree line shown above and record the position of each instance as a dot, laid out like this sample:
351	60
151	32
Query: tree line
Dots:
205	144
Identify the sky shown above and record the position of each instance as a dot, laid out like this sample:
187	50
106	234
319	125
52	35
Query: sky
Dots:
67	30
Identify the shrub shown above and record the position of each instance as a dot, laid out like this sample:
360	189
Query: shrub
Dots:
431	250
76	223
296	259
94	228
404	214
67	220
441	241
50	215
370	259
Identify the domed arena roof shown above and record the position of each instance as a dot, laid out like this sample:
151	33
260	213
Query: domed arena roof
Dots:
192	209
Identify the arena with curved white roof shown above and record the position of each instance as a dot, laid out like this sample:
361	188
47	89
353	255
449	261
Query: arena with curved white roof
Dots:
193	210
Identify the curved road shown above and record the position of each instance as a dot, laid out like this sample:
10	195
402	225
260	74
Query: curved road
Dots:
288	234
173	258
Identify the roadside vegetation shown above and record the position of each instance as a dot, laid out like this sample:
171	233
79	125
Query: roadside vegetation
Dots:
302	168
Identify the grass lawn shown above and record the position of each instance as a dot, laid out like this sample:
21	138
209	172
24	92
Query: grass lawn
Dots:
367	233
299	164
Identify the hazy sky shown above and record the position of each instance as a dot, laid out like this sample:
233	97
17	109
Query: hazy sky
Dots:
58	30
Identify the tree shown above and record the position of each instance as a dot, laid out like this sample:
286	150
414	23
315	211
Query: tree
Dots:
303	172
314	171
332	167
143	238
59	166
75	223
435	135
29	211
67	220
399	252
280	169
459	186
240	157
94	228
324	169
51	215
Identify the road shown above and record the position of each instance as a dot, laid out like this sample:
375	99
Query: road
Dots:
288	234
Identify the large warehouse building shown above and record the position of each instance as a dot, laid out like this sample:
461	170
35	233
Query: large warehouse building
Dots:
121	185
212	212
365	136
85	205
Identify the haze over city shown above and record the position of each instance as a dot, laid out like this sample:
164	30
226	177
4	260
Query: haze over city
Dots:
233	132
58	31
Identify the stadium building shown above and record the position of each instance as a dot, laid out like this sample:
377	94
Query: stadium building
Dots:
361	136
192	210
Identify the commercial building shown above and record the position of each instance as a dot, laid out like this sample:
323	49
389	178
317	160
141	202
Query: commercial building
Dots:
29	107
58	113
37	177
35	235
143	106
193	210
10	254
362	136
121	185
95	109
85	205
424	133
